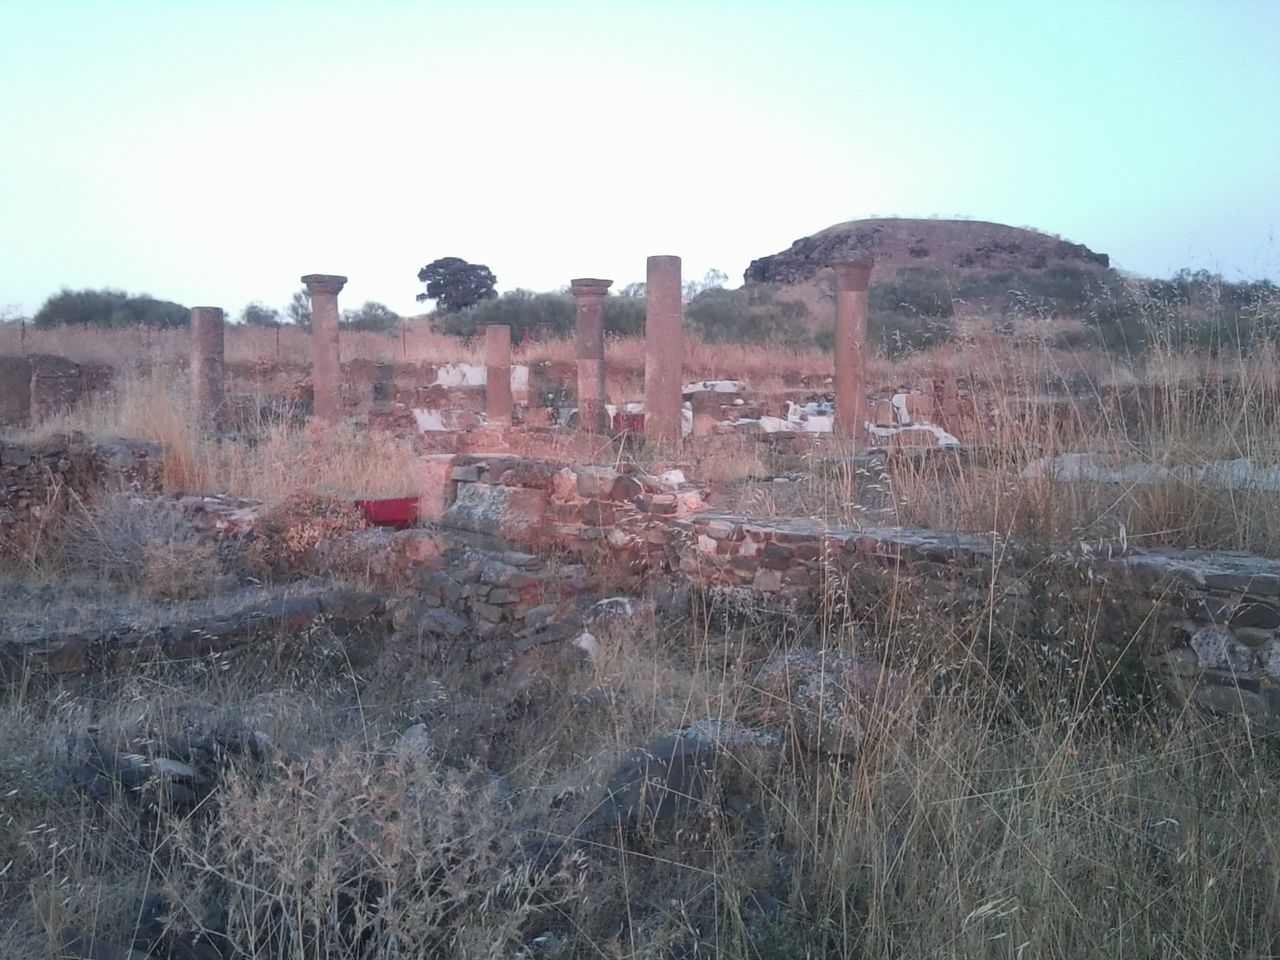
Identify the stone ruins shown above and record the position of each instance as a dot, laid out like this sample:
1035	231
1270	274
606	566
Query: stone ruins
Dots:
491	505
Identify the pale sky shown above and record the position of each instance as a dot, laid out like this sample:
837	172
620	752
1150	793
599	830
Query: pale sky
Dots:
213	152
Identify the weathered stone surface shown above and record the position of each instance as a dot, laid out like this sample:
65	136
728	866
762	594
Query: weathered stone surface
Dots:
511	513
668	780
595	482
1217	648
832	700
39	480
664	357
326	369
80	651
435	485
1233	701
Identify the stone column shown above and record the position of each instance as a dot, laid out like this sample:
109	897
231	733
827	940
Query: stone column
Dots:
207	353
326	365
706	412
497	359
950	404
589	295
664	351
852	279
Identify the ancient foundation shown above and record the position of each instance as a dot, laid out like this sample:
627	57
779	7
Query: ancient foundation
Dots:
207	372
497	359
326	370
663	364
852	279
589	295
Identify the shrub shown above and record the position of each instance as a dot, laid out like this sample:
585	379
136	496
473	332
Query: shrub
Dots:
357	855
911	312
746	315
109	308
915	291
719	315
142	543
286	531
372	316
624	316
179	570
528	314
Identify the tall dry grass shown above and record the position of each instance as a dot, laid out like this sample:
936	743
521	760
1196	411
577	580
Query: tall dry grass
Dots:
276	456
416	343
986	831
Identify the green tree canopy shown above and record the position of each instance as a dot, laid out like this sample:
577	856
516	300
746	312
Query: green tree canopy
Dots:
256	315
299	309
455	284
109	308
372	316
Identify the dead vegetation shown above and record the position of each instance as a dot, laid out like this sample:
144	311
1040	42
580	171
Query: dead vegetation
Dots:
397	806
984	832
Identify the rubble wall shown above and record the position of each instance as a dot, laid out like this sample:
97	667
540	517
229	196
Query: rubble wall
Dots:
1203	624
39	479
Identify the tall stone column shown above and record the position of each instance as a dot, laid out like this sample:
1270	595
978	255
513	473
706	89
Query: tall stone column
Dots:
497	360
207	373
664	351
589	296
326	364
852	279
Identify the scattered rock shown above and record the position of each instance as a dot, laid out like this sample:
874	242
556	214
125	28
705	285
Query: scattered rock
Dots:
416	742
1217	648
832	700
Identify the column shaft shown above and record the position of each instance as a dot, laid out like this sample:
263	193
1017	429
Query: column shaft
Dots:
664	351
207	367
497	358
852	280
326	365
589	296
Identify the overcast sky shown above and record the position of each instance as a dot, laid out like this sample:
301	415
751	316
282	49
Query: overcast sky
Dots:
212	152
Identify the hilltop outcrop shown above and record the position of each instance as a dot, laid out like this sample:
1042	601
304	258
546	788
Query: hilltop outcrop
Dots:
963	245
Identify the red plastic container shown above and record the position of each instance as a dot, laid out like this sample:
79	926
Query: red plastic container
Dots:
628	421
400	513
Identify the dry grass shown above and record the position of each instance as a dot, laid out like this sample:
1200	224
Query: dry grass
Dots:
277	457
986	832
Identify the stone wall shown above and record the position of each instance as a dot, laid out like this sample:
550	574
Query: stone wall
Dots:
1204	625
39	479
34	388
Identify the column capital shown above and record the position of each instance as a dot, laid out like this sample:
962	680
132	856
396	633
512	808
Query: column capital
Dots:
324	283
589	287
854	273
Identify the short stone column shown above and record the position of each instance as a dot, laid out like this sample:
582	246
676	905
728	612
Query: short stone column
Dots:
589	294
950	404
208	351
852	279
706	406
664	351
497	361
326	364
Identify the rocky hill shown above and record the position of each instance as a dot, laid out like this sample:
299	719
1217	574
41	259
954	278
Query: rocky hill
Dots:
950	245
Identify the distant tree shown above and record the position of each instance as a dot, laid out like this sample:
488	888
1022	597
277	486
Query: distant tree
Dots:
372	316
109	308
455	284
528	314
299	309
624	316
713	279
633	291
256	315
